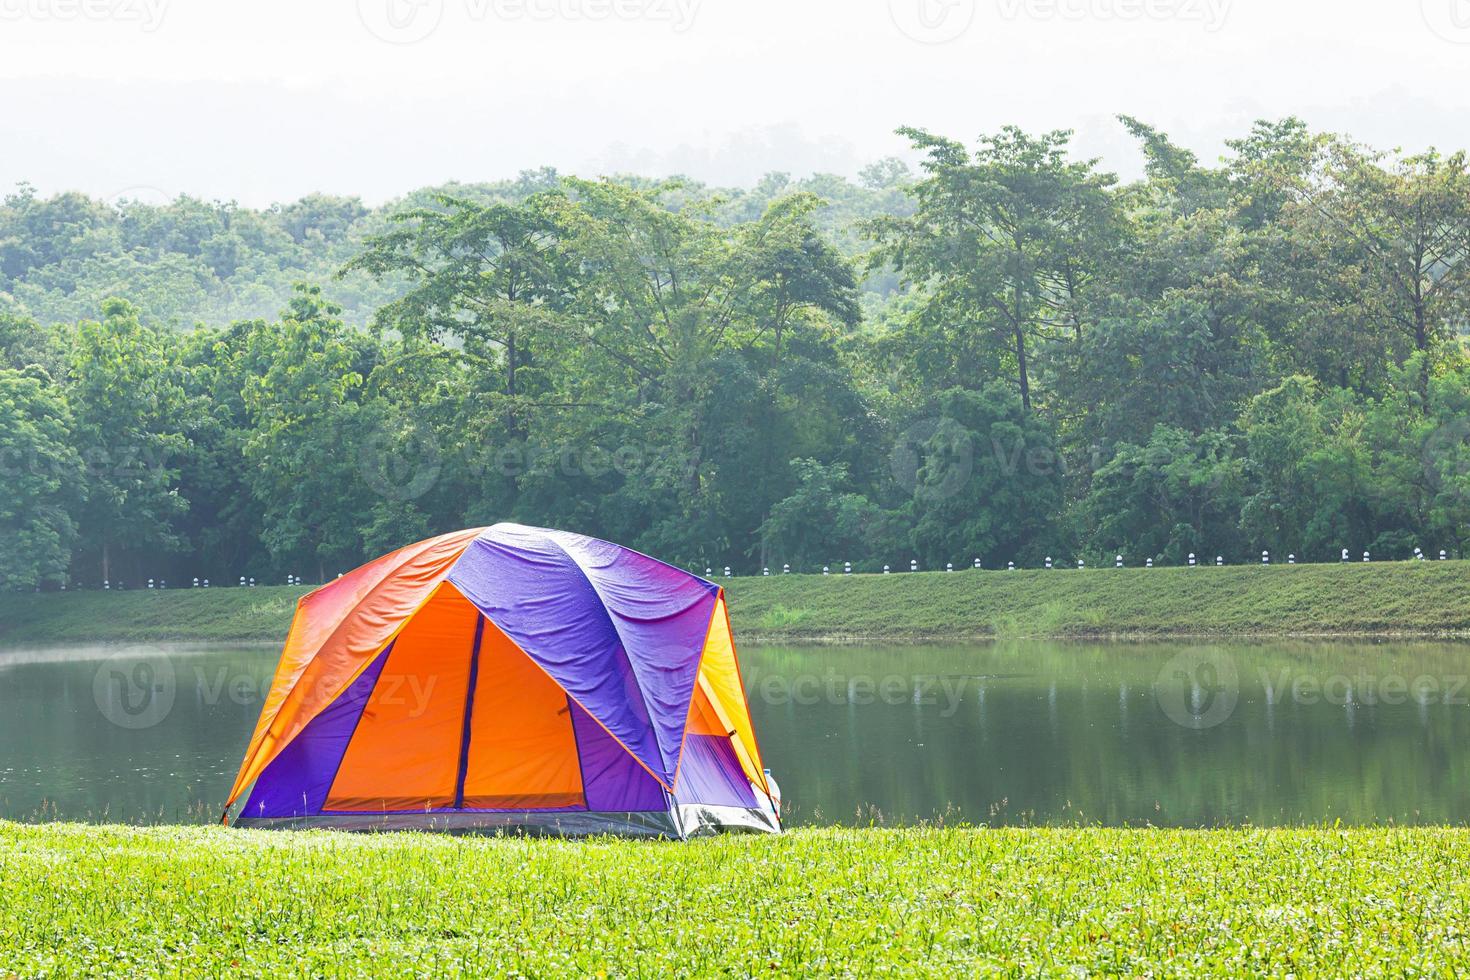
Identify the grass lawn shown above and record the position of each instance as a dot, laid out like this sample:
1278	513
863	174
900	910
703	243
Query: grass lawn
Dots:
1406	598
147	901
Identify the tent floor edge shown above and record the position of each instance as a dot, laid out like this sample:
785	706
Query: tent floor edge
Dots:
681	822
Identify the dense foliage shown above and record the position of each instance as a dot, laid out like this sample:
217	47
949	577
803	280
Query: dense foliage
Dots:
1004	356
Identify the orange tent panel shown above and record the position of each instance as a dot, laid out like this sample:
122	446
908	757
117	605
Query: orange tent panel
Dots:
523	749
404	753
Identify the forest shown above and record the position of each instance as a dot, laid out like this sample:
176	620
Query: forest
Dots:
999	354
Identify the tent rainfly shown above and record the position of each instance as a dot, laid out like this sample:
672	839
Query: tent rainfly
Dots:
509	678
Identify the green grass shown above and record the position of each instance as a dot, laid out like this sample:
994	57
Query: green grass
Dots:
1422	598
1408	598
82	900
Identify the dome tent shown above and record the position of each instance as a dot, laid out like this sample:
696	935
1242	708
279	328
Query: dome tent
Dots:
509	677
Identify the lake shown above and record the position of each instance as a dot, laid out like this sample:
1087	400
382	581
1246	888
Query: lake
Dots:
1170	734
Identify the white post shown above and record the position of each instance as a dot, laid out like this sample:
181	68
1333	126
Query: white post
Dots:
1148	563
1265	558
885	569
1048	561
1191	559
1118	561
1010	566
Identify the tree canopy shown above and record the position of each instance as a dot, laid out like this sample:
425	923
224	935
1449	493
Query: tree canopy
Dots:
1005	354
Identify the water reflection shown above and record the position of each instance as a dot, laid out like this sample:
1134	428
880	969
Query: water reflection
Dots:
1168	734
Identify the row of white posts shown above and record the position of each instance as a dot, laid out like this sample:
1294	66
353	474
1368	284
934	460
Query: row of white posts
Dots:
1193	560
162	583
827	569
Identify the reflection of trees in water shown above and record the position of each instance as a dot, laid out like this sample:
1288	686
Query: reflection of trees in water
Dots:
58	750
1067	732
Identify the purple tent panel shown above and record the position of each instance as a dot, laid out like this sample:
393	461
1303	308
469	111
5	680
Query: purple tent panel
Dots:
297	782
620	632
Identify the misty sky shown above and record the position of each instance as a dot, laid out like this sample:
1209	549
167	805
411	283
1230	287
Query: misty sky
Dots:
270	99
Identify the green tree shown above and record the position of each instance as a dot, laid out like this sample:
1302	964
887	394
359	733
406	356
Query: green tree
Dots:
1006	242
40	480
1178	493
302	393
125	400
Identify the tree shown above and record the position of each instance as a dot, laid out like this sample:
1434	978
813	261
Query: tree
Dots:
490	276
1179	493
40	480
1005	243
821	523
983	476
305	445
125	400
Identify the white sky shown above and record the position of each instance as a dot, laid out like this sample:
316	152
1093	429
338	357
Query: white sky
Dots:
266	100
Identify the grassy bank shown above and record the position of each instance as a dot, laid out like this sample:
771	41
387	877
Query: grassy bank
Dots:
143	902
1429	598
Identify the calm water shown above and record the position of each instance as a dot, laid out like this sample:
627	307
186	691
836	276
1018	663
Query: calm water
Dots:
1168	734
